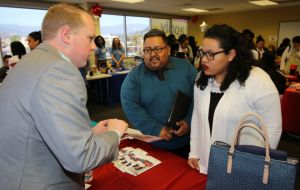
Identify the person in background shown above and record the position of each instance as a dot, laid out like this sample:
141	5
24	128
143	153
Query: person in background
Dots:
260	48
248	36
193	45
268	64
197	63
4	68
46	139
277	61
34	39
185	51
100	52
272	50
18	50
291	56
227	88
148	92
172	42
286	42
117	53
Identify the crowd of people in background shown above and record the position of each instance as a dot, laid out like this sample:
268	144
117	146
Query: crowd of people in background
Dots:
277	62
18	50
185	47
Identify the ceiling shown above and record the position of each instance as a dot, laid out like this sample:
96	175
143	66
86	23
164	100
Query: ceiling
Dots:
173	7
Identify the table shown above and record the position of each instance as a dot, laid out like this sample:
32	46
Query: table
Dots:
290	107
107	87
97	76
97	83
115	84
172	174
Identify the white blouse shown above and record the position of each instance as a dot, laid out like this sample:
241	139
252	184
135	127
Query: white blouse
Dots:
259	95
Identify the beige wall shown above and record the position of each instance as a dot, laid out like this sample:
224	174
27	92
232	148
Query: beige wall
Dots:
265	22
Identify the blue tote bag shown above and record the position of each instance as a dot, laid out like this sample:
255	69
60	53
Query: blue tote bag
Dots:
232	169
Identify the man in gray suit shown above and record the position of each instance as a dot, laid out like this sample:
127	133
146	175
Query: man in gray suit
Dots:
46	141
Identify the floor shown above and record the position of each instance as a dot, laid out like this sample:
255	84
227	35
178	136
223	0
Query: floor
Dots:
288	143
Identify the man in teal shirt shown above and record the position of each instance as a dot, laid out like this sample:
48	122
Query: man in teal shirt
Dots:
149	90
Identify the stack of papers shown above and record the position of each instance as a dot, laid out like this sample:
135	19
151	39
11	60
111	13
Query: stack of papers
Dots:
134	161
133	133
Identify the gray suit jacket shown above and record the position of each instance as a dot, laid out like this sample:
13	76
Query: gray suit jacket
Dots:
45	139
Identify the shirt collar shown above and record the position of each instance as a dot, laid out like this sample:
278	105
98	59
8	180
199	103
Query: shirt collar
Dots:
64	57
170	65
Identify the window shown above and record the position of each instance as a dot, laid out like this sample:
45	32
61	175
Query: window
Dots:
16	24
161	24
132	38
179	27
112	26
136	27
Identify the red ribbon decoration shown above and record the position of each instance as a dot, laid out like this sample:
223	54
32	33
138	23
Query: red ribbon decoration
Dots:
96	10
194	19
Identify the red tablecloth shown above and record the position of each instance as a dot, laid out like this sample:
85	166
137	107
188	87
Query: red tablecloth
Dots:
290	106
172	173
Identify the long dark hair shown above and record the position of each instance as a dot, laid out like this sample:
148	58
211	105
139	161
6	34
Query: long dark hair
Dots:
17	48
240	66
114	47
96	40
36	35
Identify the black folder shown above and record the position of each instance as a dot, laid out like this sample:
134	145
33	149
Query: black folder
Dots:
179	109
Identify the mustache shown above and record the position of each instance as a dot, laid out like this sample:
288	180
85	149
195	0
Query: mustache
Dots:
154	57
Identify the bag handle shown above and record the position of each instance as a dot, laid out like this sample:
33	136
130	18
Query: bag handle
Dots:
261	130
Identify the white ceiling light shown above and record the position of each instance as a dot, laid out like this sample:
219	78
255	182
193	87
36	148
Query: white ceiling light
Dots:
129	1
195	10
263	3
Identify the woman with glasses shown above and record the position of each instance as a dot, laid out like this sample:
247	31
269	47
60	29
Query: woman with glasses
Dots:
226	89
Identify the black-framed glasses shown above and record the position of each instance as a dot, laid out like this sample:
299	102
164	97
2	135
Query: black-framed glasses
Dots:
209	55
155	49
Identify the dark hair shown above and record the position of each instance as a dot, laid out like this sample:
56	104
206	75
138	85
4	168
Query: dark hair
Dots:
17	48
240	66
248	33
96	40
172	42
267	62
36	35
113	44
156	33
285	42
260	39
182	38
296	39
171	38
248	36
5	57
193	44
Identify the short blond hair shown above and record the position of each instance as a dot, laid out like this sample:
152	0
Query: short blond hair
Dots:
59	15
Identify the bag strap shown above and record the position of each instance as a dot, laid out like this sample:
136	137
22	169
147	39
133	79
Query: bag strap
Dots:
262	130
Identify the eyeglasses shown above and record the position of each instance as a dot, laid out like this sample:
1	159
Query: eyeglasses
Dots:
155	49
209	55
